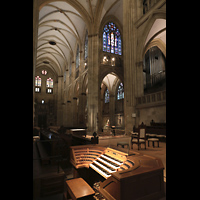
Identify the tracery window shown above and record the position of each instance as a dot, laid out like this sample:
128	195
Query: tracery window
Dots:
44	72
38	81
107	96
50	83
112	39
86	46
120	92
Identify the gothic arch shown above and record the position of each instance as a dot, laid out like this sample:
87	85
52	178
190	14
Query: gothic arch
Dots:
149	23
156	42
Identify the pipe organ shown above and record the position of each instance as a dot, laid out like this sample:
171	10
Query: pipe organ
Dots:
118	175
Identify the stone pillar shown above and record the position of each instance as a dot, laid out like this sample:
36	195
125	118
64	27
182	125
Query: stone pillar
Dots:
59	101
129	54
68	115
112	109
74	111
140	81
93	74
81	110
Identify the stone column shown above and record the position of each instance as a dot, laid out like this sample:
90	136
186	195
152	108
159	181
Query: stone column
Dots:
93	74
129	52
59	101
74	111
112	109
81	109
139	77
68	115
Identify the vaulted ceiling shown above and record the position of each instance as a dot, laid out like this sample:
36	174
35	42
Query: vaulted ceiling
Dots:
62	24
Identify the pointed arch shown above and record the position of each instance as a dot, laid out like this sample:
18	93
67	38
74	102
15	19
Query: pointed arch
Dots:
149	23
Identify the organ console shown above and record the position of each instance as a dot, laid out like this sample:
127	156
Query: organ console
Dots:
118	175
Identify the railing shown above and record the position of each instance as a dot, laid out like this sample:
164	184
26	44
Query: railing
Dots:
151	98
148	4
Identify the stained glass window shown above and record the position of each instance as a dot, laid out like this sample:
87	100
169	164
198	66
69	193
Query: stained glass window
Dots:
112	39
120	92
44	72
50	83
107	96
86	45
104	41
38	81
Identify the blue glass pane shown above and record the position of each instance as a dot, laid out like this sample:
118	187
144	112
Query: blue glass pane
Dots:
119	46
106	96
104	41
108	42
111	39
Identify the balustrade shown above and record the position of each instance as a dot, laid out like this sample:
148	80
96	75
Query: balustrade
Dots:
151	98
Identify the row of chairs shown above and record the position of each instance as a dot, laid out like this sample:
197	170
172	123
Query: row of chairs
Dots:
140	138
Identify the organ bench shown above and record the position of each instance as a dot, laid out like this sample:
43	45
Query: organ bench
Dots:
78	189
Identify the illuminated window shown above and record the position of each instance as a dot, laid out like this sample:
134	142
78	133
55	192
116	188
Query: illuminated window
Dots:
86	45
120	92
112	39
113	62
44	72
50	83
38	81
37	89
107	96
49	90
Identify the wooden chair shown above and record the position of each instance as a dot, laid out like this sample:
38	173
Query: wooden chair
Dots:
141	138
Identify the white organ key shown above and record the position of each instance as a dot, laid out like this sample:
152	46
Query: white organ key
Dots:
100	171
114	161
107	163
103	166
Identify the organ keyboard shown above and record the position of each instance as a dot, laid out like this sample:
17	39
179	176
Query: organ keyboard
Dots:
124	176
